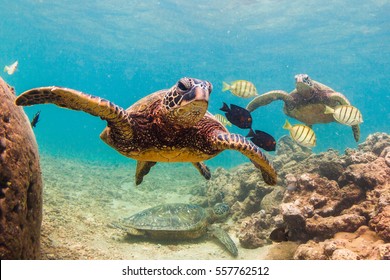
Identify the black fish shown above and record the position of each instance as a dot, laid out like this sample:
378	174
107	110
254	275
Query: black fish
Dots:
237	115
279	235
35	119
262	139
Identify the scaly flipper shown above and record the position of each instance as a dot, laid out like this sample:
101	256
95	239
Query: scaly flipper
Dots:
76	100
143	168
224	238
267	98
246	147
203	169
356	132
337	96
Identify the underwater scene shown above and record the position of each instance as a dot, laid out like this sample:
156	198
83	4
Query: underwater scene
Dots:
172	129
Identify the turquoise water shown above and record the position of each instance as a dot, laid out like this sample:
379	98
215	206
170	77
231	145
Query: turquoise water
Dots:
124	50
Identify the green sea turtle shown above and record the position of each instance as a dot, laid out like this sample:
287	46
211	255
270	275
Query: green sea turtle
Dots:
306	102
170	125
179	221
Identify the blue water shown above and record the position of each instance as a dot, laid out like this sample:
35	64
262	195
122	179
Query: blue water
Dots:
123	50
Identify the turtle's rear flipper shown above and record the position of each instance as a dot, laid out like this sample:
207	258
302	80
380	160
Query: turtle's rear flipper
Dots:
143	168
246	147
267	98
224	238
75	100
356	132
203	169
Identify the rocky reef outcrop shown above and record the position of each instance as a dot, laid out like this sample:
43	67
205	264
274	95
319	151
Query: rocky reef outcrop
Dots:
364	243
325	201
20	182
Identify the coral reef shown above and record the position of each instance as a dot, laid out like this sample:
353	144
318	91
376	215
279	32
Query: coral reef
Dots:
327	201
20	182
242	188
361	244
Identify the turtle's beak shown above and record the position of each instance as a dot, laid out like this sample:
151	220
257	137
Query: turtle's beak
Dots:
298	78
197	93
201	94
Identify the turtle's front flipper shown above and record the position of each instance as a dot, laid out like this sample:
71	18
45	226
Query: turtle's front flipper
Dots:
224	238
246	147
267	98
203	169
143	168
75	100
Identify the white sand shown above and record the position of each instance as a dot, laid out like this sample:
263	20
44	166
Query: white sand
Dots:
81	199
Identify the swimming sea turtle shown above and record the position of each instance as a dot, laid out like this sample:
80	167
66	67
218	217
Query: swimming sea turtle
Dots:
307	102
166	126
179	221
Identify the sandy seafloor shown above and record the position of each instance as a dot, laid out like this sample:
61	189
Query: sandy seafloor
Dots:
81	199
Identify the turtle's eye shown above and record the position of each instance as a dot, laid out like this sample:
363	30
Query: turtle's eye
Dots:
306	79
182	86
210	86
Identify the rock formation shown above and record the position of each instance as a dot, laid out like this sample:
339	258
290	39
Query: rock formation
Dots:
324	201
20	182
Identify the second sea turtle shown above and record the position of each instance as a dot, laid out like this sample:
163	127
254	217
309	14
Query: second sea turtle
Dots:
179	221
306	102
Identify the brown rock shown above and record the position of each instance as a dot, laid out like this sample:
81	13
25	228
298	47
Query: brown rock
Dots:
386	155
327	227
381	224
293	215
251	233
310	251
363	244
383	251
375	143
20	182
344	254
270	202
367	176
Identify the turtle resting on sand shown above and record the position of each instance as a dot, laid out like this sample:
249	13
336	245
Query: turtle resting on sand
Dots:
170	125
179	221
306	102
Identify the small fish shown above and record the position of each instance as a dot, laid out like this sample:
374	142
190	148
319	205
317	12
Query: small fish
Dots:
241	88
345	114
223	120
262	139
237	115
291	182
279	235
35	119
11	68
301	134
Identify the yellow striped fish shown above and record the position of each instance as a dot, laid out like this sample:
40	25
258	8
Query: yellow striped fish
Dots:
240	88
345	114
223	120
301	134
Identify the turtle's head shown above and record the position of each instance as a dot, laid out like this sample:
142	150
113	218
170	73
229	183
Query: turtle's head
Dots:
187	101
220	211
304	85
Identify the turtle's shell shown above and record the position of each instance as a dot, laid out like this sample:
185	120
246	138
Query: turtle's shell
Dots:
157	139
170	221
311	111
